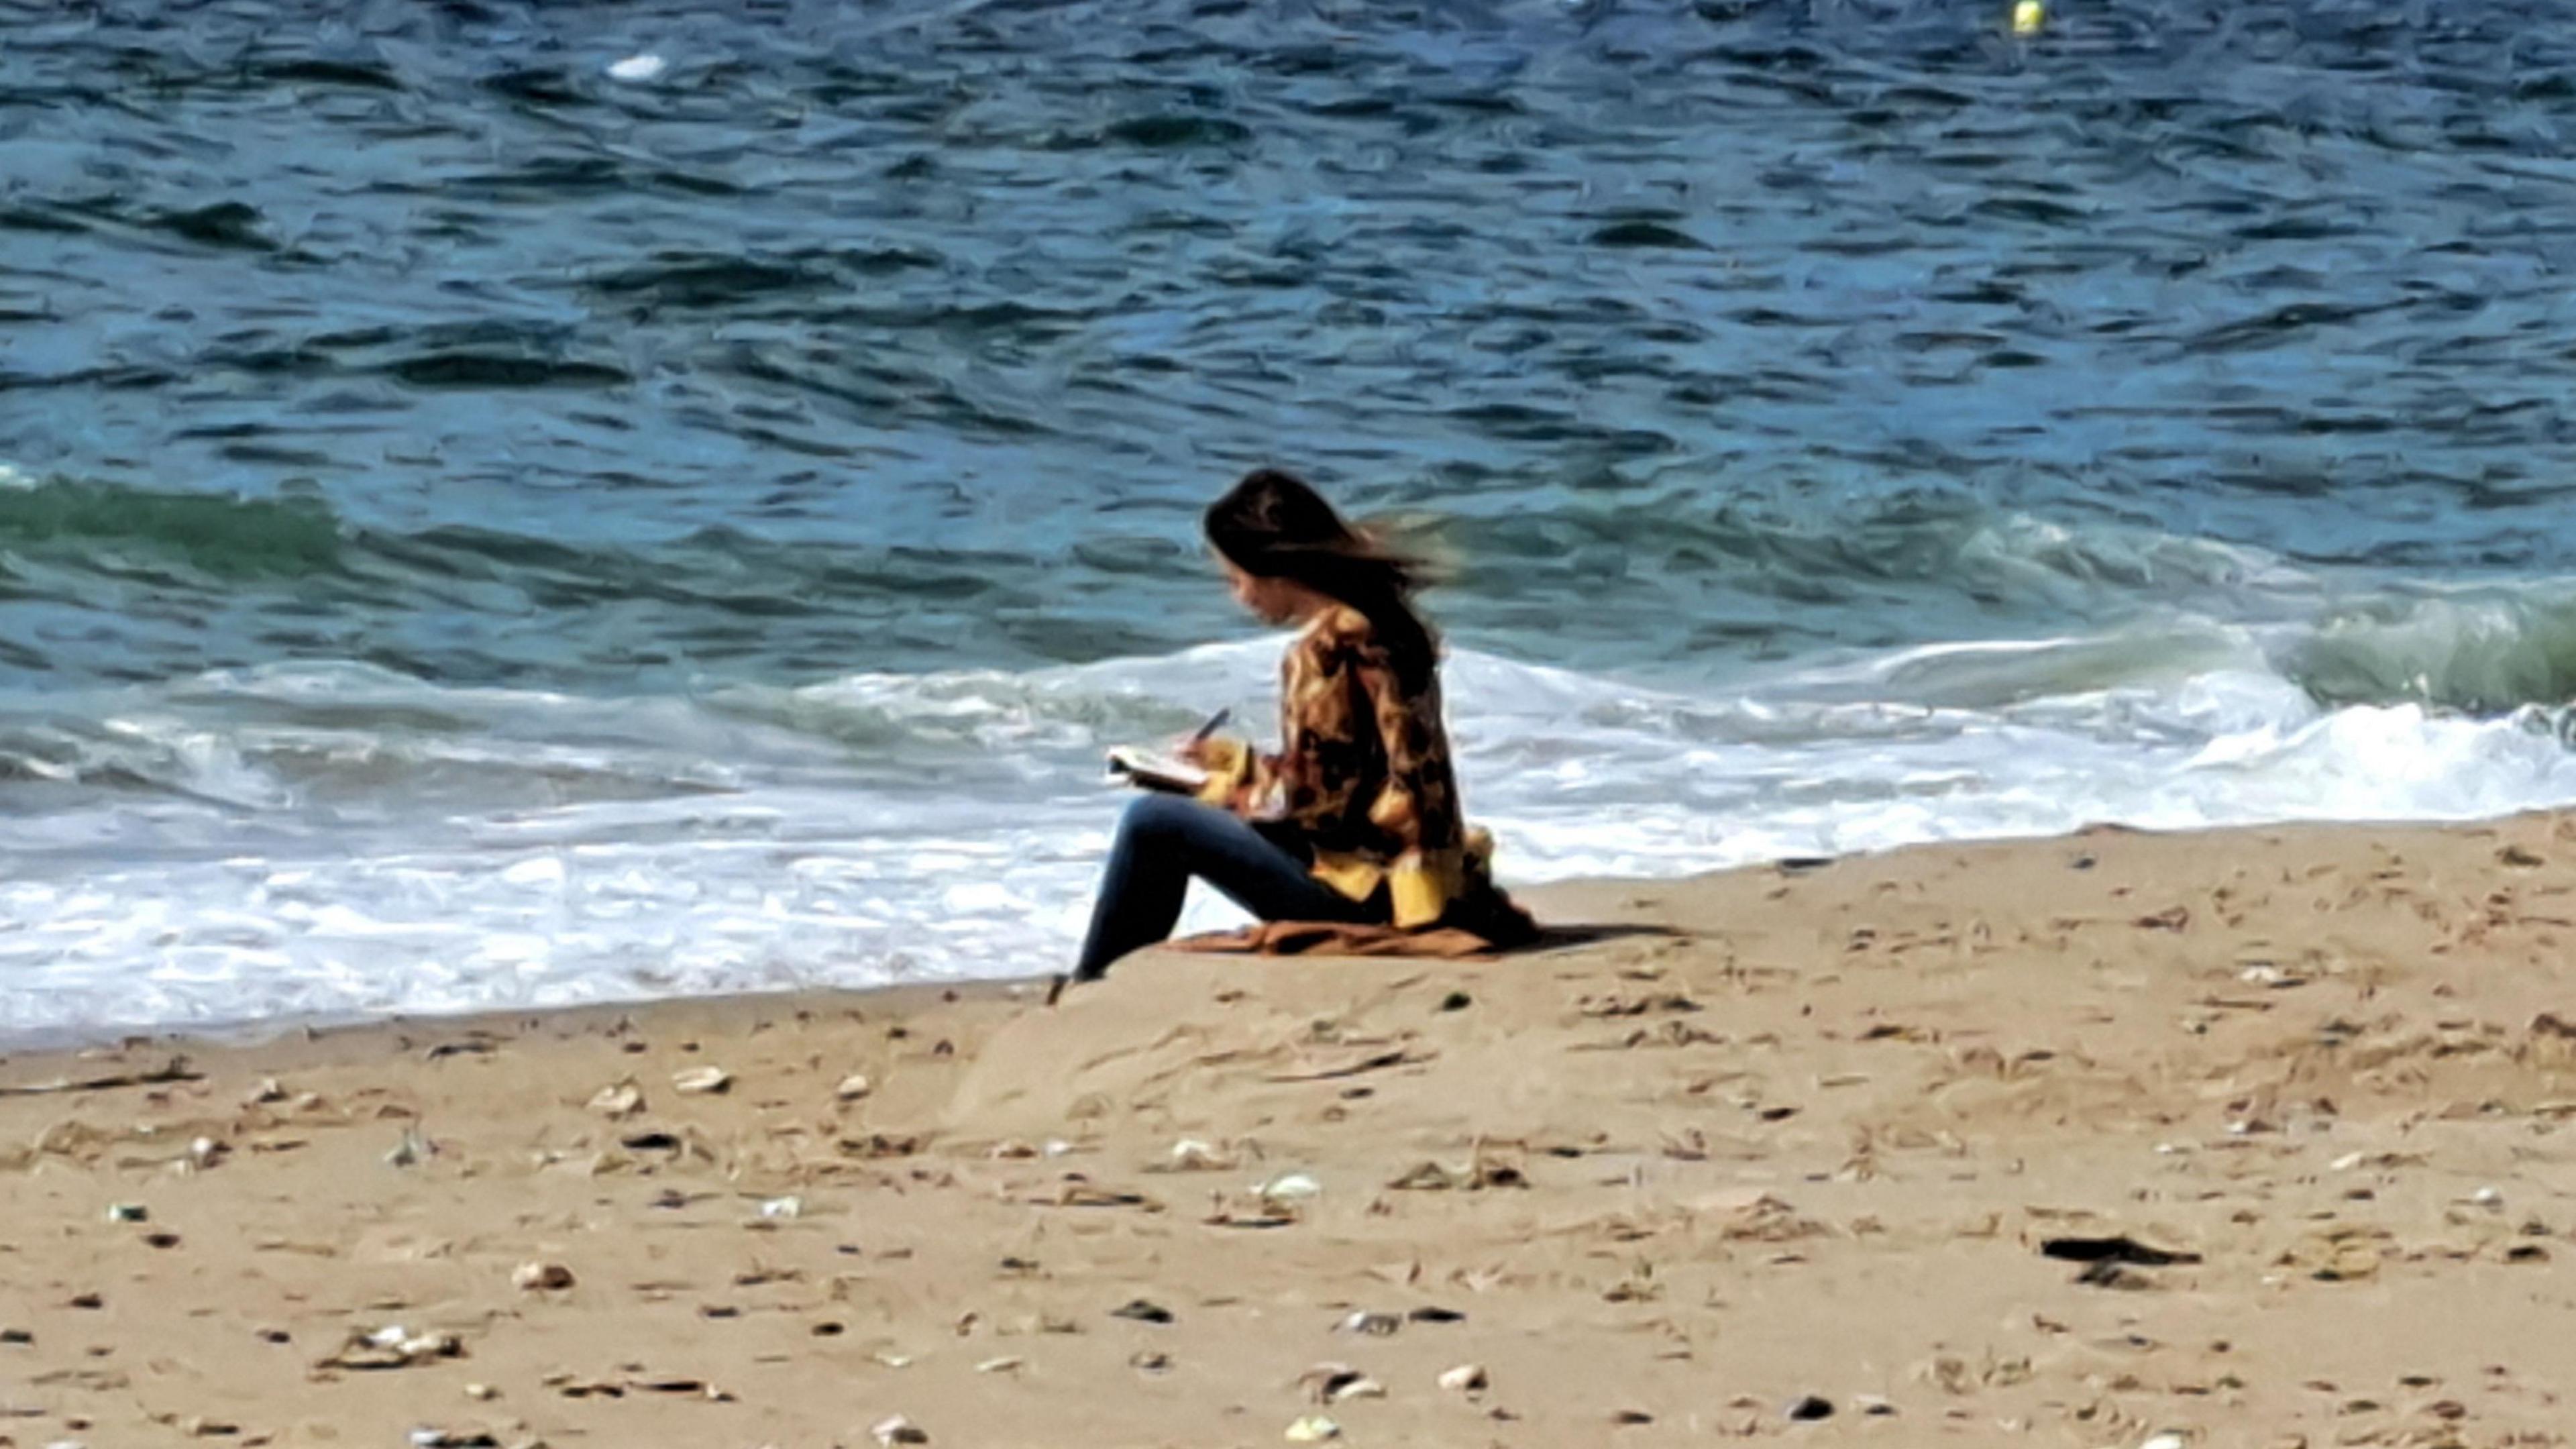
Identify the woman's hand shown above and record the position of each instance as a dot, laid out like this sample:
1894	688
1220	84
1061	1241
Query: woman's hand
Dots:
1232	777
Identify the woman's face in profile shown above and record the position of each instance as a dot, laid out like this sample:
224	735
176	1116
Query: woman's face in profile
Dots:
1272	601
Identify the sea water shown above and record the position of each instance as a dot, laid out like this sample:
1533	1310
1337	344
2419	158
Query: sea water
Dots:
490	521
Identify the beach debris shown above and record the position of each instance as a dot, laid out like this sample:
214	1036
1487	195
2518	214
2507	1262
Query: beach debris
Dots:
1006	1364
702	1082
2119	1249
1873	1405
893	1360
264	1093
1434	1313
782	1209
1807	1408
1080	1191
899	1430
639	69
1191	1155
412	1150
881	1144
572	1386
2028	16
2166	1439
1150	1361
128	1212
174	1070
1369	1062
1466	1378
1312	1429
482	1393
1631	1418
618	1099
1289	1189
2487	1197
426	1438
541	1277
205	1152
1369	1324
1331	1383
393	1347
1143	1311
853	1087
2340	1254
1358	1387
1483	1173
1258	1213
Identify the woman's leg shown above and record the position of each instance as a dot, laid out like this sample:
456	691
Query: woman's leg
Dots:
1163	841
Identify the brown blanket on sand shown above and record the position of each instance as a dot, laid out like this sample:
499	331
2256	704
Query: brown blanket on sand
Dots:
1339	938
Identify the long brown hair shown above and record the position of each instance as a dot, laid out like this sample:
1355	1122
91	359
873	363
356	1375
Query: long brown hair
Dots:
1271	525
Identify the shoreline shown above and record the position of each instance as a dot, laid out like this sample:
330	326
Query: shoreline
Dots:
2071	1140
1549	898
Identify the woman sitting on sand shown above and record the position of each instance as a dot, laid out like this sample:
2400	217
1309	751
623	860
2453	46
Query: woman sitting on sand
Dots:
1356	818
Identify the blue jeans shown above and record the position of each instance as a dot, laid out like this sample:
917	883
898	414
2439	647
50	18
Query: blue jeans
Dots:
1165	840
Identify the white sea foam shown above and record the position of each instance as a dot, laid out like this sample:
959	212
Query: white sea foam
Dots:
335	840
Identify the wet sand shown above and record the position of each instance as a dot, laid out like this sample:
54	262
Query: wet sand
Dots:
2258	1137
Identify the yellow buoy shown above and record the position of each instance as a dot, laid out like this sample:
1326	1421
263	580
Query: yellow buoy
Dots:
2028	16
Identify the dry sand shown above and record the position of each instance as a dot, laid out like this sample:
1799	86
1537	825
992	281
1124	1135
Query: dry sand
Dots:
1810	1135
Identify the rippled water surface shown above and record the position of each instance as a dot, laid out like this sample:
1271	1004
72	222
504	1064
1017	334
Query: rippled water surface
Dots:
478	528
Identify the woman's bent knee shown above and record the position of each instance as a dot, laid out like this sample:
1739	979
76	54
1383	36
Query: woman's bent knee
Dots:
1160	815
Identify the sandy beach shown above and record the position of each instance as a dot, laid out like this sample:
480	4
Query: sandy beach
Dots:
2255	1138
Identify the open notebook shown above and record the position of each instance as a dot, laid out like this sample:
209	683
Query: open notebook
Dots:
1155	771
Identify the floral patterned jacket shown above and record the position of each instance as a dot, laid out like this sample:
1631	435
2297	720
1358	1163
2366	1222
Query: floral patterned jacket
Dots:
1363	776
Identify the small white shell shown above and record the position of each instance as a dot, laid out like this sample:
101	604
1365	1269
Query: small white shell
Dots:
899	1430
1313	1429
1291	1187
541	1277
701	1081
1359	1387
1466	1378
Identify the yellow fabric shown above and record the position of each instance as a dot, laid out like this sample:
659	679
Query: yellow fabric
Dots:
1340	700
1420	884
